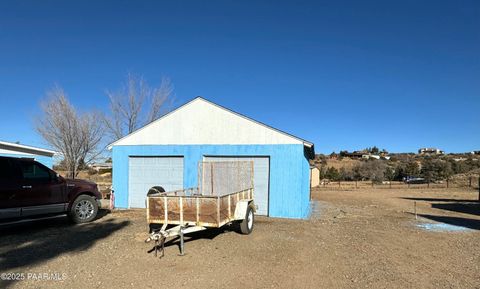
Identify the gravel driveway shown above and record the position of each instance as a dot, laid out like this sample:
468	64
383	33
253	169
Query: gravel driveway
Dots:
355	239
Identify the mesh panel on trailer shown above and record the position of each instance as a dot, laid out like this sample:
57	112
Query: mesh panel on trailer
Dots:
223	178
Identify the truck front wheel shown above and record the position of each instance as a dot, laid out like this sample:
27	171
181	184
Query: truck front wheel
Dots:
84	209
246	226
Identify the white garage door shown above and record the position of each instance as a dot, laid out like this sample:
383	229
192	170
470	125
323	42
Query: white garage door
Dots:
146	172
261	171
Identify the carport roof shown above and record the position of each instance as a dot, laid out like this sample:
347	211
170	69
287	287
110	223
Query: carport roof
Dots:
26	149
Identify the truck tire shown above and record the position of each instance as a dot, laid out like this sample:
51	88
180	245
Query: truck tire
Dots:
246	225
83	210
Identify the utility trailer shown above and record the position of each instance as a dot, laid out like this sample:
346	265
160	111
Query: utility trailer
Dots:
224	196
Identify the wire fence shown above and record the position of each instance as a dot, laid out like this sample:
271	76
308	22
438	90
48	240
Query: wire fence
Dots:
470	182
223	178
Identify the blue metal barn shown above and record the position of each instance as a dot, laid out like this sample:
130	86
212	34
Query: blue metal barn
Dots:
167	151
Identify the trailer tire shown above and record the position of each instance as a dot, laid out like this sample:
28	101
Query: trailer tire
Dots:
156	190
246	225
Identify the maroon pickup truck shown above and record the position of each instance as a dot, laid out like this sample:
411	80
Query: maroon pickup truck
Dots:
28	188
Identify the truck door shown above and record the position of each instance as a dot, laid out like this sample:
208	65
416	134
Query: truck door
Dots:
9	187
42	192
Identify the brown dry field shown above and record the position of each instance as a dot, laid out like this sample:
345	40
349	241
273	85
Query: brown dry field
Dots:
356	239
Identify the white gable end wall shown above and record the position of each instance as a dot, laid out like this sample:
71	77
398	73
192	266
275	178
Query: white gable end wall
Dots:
200	122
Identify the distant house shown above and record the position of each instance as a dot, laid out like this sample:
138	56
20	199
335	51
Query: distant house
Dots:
44	156
475	153
314	177
370	156
430	151
101	166
364	154
353	155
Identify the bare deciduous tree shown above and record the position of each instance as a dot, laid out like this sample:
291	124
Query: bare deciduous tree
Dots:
136	105
76	136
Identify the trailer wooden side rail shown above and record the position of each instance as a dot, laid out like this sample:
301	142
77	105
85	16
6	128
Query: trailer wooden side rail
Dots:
186	207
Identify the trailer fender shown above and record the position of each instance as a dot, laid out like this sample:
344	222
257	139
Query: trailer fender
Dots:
241	208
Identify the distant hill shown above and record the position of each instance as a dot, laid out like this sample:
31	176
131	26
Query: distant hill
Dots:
397	166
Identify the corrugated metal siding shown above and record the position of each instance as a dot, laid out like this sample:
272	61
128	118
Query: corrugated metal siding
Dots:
146	172
261	171
289	171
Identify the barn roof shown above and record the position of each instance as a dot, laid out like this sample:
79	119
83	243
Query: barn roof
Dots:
209	123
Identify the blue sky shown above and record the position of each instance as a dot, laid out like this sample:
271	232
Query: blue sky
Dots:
343	74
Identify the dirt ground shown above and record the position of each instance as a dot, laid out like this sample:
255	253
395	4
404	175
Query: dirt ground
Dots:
354	239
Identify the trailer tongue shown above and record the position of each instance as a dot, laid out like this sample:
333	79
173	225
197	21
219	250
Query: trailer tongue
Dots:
224	196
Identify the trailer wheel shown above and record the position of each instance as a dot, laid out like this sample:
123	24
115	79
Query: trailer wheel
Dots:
246	225
155	190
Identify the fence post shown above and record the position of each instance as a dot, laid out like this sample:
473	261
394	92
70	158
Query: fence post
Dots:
415	209
470	182
447	182
356	185
390	184
339	184
428	184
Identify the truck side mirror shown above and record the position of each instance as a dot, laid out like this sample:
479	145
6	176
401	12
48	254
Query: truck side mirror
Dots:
59	178
54	177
